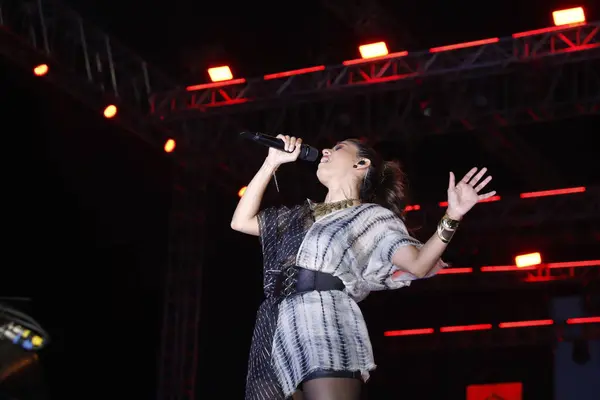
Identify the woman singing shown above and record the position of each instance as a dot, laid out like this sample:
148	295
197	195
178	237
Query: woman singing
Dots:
320	259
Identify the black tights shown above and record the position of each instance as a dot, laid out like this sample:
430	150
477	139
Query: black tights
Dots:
330	389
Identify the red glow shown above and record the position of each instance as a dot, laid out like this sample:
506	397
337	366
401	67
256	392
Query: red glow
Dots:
569	16
555	192
526	324
409	332
413	208
558	265
528	260
386	57
294	72
464	45
504	391
170	145
584	320
214	85
448	271
110	111
40	70
466	328
220	74
488	200
373	50
482	327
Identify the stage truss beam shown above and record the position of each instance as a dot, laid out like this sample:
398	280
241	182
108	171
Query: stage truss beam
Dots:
519	53
83	60
552	85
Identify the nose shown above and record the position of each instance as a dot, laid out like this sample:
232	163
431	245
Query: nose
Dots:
326	152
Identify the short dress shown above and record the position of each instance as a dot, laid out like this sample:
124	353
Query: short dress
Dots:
296	334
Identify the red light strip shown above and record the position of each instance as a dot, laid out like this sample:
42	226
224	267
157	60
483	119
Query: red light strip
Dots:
300	71
466	328
584	320
484	327
545	30
409	332
557	265
389	56
215	85
526	324
488	200
555	192
527	195
464	45
366	60
447	271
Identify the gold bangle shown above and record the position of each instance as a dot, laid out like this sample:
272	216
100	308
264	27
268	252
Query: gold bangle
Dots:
449	223
446	229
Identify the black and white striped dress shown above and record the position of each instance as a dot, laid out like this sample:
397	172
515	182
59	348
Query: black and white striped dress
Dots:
322	330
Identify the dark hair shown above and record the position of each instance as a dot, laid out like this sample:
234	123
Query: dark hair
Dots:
384	183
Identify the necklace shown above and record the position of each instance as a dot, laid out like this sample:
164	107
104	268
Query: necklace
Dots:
322	209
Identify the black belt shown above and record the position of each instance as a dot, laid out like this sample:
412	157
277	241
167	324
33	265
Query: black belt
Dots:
308	280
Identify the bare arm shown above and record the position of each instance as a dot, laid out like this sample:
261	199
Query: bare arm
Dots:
420	262
461	198
245	216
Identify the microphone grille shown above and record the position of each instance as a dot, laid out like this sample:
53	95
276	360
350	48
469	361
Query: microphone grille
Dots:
310	154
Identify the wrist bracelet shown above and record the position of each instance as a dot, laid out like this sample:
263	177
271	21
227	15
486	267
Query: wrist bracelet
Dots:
446	228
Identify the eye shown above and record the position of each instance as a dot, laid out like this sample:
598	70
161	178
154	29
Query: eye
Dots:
339	146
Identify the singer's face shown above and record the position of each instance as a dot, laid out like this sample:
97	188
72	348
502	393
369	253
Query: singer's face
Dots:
337	162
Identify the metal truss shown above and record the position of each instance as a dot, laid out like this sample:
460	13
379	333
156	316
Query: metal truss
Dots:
490	87
460	89
84	61
178	362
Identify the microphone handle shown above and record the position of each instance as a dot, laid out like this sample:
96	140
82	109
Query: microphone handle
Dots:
307	152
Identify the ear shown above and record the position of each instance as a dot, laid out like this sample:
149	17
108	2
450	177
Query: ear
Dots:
363	163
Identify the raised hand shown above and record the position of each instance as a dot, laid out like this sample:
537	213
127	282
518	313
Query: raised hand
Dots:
292	151
464	195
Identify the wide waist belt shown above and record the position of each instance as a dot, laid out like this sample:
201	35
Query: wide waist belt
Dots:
308	280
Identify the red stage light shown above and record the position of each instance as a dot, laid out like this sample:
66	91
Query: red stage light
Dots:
528	260
220	74
110	111
170	145
373	50
40	70
569	16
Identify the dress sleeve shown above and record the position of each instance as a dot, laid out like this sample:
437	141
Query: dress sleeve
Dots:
389	234
271	224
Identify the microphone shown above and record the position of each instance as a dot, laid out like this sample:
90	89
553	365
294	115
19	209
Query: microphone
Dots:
307	153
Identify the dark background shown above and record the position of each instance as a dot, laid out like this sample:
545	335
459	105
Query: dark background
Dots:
86	208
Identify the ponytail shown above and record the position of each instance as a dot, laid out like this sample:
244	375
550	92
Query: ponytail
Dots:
389	192
384	182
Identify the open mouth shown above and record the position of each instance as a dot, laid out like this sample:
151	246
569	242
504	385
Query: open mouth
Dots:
324	159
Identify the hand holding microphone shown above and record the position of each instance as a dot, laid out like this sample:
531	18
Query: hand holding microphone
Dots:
289	153
283	148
